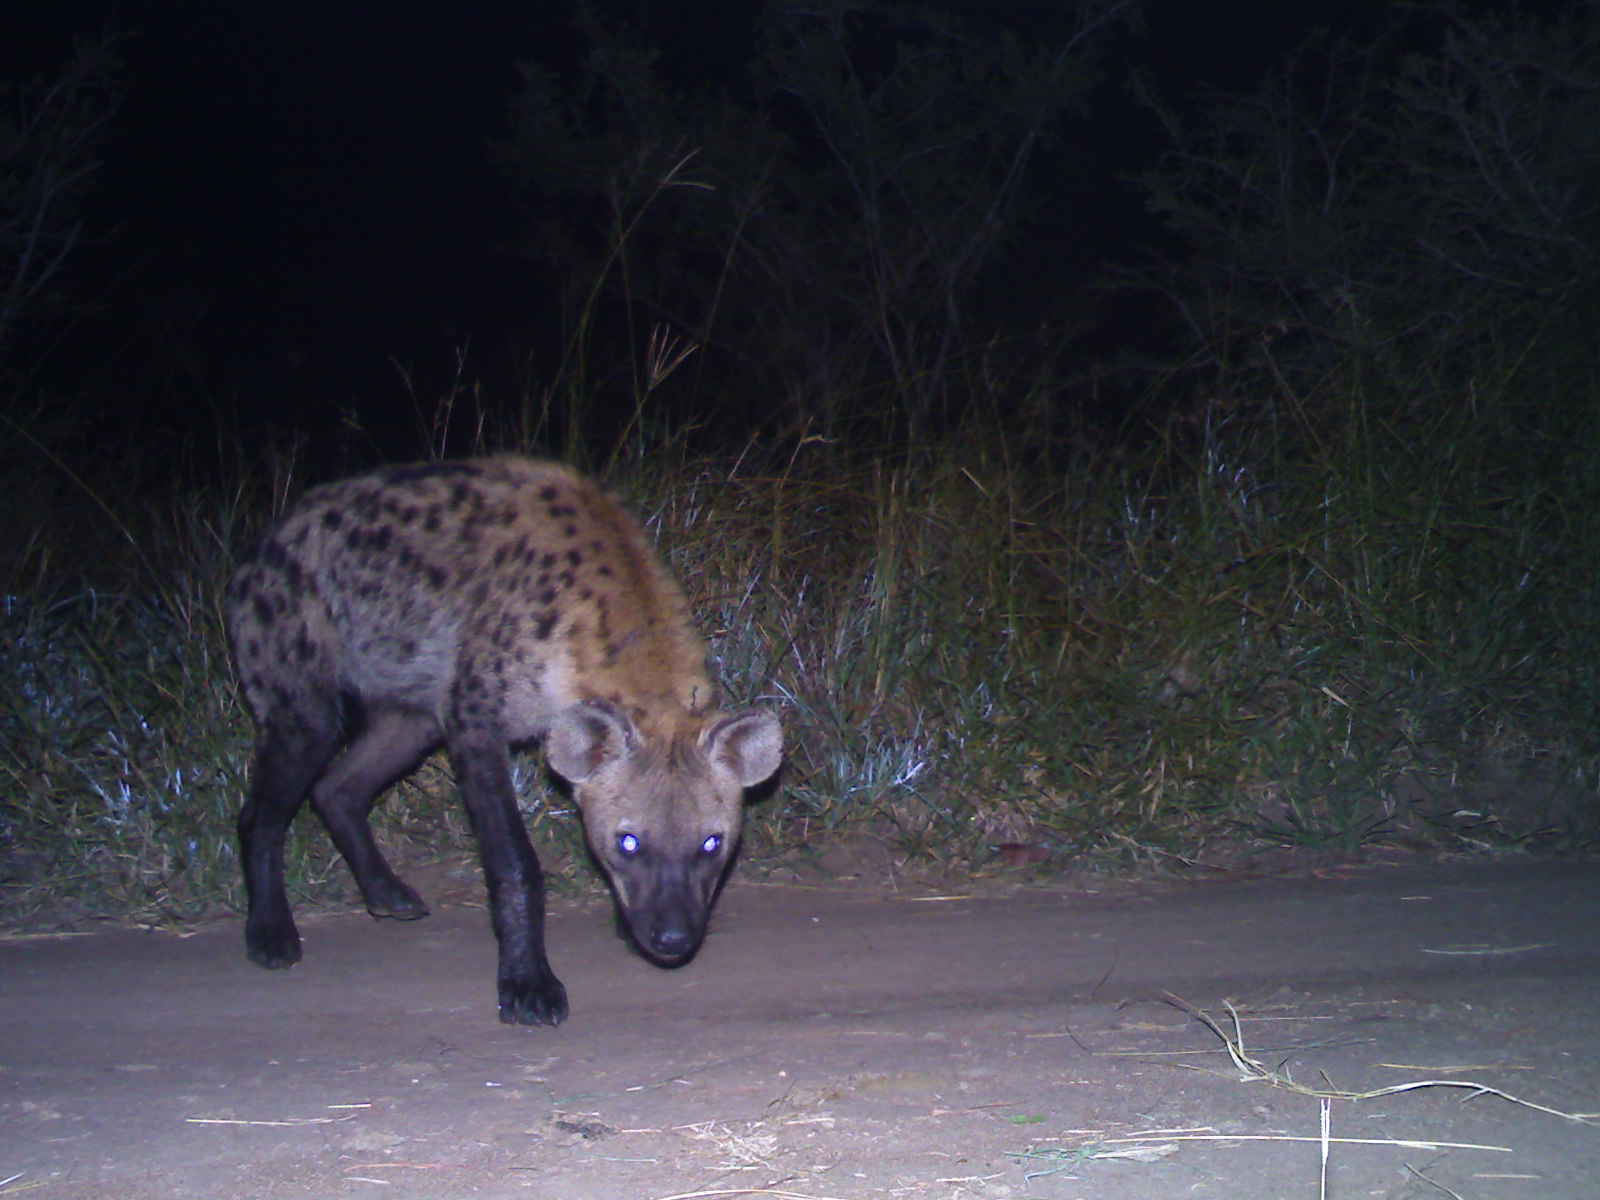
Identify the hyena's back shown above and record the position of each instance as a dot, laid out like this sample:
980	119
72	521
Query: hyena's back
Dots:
502	588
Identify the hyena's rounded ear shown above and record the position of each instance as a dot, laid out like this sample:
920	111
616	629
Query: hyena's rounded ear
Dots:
749	744
584	737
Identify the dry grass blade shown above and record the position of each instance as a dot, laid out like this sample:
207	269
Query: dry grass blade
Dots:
1434	1183
1252	1070
1326	1139
285	1122
1070	1156
707	1195
664	354
1404	1143
742	1149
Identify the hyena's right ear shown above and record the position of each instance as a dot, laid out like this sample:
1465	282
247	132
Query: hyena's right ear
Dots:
586	736
750	744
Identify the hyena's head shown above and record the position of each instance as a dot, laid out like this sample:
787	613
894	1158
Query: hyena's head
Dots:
662	811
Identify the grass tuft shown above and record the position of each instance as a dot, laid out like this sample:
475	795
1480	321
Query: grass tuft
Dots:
1325	624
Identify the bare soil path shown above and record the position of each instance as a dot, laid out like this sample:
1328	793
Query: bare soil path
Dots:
839	1043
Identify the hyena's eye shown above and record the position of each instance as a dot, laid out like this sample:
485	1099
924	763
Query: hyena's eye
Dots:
712	844
628	844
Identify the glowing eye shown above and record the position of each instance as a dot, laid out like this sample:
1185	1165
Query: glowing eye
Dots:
712	844
628	844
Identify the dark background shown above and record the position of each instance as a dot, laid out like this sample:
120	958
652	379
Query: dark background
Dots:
299	221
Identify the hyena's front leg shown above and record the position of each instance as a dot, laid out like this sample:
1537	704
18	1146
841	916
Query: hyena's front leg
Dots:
530	994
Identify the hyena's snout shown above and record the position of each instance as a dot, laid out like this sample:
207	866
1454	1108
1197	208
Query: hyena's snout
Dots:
666	919
671	939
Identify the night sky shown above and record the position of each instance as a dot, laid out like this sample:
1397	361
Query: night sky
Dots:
303	195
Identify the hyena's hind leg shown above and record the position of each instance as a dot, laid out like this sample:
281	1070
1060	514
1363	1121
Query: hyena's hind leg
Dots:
391	742
293	749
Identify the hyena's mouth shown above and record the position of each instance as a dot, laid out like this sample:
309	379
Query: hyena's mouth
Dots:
667	942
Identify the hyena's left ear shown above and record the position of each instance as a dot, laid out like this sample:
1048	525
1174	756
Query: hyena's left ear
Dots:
748	744
584	737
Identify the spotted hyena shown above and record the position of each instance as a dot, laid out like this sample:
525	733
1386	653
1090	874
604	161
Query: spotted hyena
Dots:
479	605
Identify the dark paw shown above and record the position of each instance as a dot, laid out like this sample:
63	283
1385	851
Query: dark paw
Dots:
540	1003
393	899
272	948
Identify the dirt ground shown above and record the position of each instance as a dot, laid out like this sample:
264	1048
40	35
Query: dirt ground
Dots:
840	1041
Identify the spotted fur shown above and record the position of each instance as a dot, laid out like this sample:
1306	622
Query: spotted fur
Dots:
480	605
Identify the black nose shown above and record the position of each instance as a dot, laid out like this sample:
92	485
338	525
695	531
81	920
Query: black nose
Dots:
671	943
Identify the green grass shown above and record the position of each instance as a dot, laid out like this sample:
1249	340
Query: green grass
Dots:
1317	631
